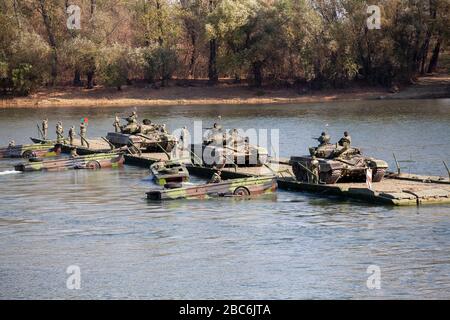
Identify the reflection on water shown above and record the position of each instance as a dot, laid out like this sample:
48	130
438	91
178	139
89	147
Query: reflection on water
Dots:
290	245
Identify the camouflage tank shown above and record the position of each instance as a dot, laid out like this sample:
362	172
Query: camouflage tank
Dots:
338	163
145	137
220	149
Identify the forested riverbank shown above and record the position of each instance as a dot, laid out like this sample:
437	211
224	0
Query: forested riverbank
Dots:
292	45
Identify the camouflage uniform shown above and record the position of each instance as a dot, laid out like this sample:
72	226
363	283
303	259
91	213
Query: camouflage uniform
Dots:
313	176
71	135
59	132
324	139
132	118
45	129
83	129
184	138
346	140
73	152
216	177
116	124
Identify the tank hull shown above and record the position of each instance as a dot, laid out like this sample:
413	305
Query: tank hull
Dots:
218	156
331	171
150	143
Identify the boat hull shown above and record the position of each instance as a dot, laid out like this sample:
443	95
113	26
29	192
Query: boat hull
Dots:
95	161
234	187
29	151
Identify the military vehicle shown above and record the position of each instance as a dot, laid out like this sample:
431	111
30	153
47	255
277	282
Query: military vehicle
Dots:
94	161
338	163
145	137
242	187
221	149
31	151
169	172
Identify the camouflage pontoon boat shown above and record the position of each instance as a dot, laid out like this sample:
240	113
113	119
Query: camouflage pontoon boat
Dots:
242	187
94	161
169	172
38	150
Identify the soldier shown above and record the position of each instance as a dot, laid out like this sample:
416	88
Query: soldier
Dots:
345	141
71	135
215	134
184	138
73	152
11	144
313	176
324	139
132	118
216	177
116	124
234	139
59	132
44	129
83	129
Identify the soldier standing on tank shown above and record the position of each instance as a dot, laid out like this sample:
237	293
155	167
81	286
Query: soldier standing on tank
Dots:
83	129
132	118
44	129
184	138
116	124
313	175
324	139
59	132
71	135
345	141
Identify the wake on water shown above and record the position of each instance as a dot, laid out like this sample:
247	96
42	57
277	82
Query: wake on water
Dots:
3	173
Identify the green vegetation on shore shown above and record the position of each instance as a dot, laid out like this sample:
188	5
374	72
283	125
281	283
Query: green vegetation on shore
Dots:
310	43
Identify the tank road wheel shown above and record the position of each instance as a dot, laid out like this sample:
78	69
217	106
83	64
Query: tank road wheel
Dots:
378	174
330	177
28	154
241	192
299	172
93	165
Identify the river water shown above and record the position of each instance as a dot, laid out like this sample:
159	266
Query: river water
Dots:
286	246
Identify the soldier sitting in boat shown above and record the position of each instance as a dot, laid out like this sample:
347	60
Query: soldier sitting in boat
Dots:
73	152
216	177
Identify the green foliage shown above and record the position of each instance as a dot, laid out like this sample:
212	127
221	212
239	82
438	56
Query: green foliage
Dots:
314	42
81	54
161	63
23	79
113	65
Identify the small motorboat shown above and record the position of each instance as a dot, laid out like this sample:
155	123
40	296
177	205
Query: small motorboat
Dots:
165	172
27	151
94	161
242	187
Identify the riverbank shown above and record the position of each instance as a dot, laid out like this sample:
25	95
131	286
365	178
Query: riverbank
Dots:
195	93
